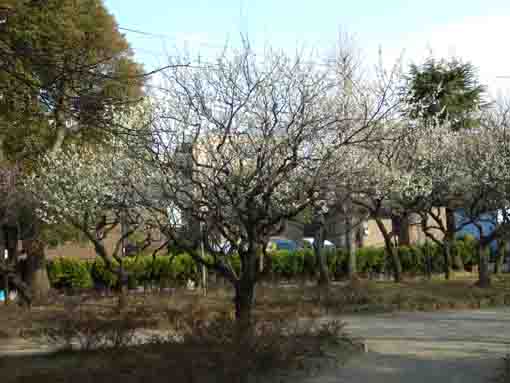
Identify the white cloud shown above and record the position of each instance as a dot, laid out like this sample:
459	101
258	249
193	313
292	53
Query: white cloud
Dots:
482	40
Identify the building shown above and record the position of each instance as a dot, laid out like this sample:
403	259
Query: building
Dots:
366	232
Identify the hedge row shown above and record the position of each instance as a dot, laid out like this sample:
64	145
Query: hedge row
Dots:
167	270
74	273
415	260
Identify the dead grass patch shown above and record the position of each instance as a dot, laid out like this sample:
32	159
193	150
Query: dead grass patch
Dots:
273	302
206	350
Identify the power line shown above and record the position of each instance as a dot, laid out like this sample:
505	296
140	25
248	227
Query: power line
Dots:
327	62
144	33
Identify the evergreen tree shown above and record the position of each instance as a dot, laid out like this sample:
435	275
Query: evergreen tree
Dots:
439	91
64	69
65	73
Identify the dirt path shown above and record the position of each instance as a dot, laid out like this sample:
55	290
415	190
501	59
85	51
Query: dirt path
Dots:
449	347
463	346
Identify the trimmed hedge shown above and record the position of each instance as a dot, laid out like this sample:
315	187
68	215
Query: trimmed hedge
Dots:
69	273
163	270
167	270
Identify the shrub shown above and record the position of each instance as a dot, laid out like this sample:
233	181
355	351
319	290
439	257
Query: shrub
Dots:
166	270
412	259
431	253
371	259
101	275
287	264
308	262
92	329
465	246
265	349
67	273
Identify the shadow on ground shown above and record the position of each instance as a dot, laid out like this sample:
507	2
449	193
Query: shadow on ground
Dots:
381	368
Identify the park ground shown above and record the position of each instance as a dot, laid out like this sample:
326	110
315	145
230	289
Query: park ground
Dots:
417	331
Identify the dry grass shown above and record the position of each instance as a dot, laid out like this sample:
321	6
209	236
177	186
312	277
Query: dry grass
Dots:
209	347
206	350
273	302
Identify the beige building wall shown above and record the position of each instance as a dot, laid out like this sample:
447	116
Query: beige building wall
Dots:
336	230
83	250
375	237
86	250
417	235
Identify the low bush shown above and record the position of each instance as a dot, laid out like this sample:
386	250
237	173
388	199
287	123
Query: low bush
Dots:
171	270
265	349
66	273
91	329
195	349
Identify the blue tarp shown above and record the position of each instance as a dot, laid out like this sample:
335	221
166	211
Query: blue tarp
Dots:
486	221
2	296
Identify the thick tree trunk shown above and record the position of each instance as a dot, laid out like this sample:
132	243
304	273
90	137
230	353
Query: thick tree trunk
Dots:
321	257
351	247
245	288
323	269
451	229
391	251
483	266
397	265
36	274
403	232
244	301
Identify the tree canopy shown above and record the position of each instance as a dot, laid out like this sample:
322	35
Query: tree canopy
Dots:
439	91
64	69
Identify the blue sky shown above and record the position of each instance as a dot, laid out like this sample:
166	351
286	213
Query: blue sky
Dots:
475	30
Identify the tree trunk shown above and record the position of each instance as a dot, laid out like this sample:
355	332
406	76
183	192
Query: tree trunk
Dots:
500	259
245	288
322	264
451	229
244	300
403	232
397	265
323	268
36	273
483	266
391	251
447	256
351	246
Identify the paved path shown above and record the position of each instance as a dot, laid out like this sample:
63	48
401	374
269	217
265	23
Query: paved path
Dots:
464	347
449	347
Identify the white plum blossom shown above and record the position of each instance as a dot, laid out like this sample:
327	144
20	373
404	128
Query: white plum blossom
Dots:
92	188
